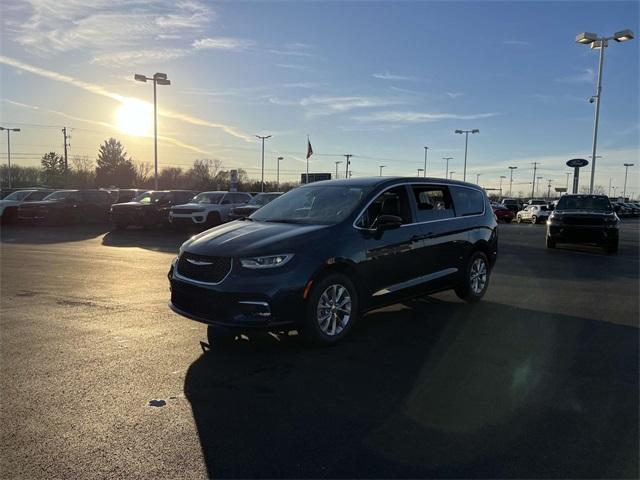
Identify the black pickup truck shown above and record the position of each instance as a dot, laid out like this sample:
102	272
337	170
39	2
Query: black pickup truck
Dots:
149	209
68	206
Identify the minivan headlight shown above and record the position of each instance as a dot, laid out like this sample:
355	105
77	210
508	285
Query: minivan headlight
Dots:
268	261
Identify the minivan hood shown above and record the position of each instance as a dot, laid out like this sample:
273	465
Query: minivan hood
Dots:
241	238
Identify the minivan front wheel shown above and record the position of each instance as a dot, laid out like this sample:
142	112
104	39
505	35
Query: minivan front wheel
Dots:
475	281
331	310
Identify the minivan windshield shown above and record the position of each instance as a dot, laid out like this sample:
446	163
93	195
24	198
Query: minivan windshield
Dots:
207	198
584	202
313	204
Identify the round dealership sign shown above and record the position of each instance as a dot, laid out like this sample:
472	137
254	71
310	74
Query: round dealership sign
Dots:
577	162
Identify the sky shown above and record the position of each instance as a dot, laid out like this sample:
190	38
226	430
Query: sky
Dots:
378	80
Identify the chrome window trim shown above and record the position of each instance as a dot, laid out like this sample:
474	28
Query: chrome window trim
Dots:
484	206
177	276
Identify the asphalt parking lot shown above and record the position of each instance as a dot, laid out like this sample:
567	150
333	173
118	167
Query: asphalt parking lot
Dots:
100	379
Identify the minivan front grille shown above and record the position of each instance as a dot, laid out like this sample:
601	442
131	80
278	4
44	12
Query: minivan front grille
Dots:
203	268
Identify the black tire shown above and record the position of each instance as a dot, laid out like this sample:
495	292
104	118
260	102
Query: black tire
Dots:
611	247
551	243
218	338
467	289
327	291
534	219
519	219
213	219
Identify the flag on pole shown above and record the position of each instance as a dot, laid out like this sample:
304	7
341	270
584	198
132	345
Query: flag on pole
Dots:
309	148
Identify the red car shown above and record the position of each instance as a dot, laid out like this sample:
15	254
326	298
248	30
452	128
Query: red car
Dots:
503	213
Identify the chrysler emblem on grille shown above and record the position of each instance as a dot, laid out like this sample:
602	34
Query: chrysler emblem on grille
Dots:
198	262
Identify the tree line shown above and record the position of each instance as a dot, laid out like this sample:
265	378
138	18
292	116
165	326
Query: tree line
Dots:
113	167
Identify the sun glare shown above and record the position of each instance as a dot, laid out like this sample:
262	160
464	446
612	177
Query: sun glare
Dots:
135	117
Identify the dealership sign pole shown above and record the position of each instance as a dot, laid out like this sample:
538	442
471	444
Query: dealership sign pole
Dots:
577	164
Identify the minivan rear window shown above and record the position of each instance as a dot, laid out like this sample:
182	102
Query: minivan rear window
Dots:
467	201
433	202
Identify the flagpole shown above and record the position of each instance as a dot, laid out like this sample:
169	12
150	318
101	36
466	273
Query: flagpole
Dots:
308	143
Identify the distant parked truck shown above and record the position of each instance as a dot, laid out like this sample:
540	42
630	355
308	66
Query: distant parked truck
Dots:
68	206
256	203
512	204
207	209
9	204
149	209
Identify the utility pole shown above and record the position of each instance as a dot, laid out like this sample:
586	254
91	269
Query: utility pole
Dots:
348	157
451	175
337	163
626	170
538	186
381	167
609	194
263	138
66	144
9	130
568	174
478	178
511	180
446	170
278	173
425	160
533	189
549	188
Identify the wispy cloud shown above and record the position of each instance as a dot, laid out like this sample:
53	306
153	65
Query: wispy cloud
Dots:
99	90
221	43
139	57
294	50
517	43
417	117
454	95
326	105
391	76
587	75
292	66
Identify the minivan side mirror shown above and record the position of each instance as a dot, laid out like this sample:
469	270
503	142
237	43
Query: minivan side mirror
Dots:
388	222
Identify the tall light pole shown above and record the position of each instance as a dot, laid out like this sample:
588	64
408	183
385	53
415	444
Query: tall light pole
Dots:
337	163
614	191
279	159
263	138
511	169
568	174
549	188
381	167
348	157
425	160
9	130
157	79
420	170
451	175
466	145
587	38
478	178
501	178
626	170
446	169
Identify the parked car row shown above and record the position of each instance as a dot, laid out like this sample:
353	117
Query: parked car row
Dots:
130	207
626	209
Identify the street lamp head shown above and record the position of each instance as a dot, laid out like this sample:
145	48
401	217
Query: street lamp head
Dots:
280	158
140	78
160	76
15	129
458	131
598	44
586	38
623	35
628	164
163	81
513	168
475	130
503	176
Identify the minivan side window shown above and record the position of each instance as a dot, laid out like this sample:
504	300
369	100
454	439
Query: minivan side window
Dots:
467	201
433	202
394	201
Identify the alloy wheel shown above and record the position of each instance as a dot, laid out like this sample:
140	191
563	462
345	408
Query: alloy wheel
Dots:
334	309
478	275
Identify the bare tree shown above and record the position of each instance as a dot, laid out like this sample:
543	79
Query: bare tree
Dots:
143	172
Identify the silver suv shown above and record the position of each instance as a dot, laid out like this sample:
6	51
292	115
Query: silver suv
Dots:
533	214
207	209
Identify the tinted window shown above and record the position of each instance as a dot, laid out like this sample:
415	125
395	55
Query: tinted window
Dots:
392	202
583	202
313	204
19	195
35	196
183	197
240	197
61	195
467	201
208	198
433	202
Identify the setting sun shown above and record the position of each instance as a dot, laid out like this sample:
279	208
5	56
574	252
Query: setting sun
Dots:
135	117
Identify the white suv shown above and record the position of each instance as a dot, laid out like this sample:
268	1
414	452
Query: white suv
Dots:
533	214
207	209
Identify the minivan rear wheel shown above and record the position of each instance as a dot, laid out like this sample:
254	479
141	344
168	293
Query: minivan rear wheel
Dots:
475	281
331	310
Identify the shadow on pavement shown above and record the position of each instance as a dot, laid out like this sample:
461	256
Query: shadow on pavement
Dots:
425	389
47	234
160	240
